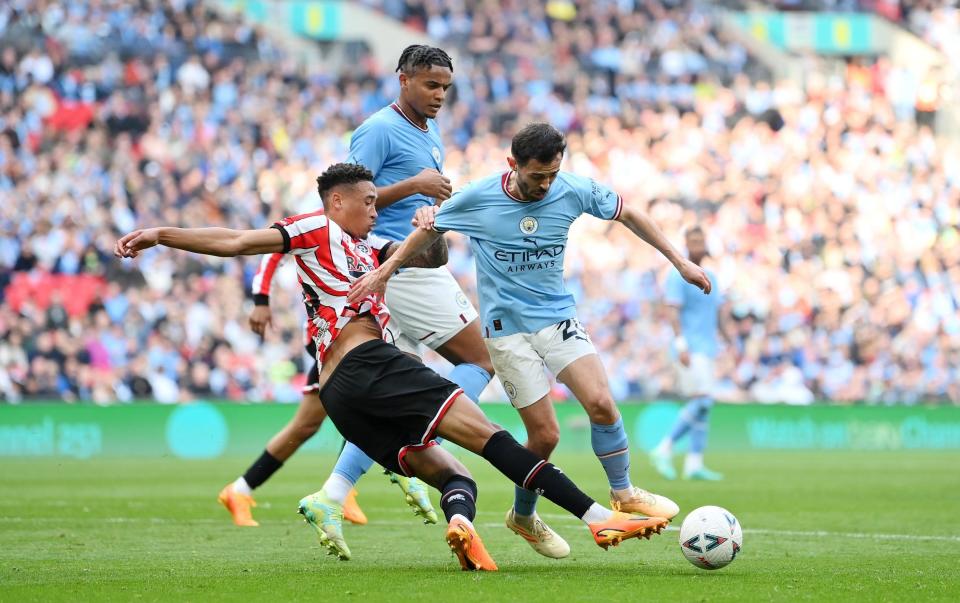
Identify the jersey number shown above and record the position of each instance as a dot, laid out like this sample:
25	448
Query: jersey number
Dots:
572	328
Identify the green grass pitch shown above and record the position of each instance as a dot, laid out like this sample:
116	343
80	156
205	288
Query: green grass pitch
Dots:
817	526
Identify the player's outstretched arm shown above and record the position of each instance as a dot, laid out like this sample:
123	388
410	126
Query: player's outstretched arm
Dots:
644	227
223	242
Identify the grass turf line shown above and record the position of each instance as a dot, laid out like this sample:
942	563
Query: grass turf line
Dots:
151	529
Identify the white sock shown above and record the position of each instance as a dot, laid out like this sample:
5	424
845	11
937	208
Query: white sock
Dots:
337	487
665	447
462	518
693	462
242	487
596	513
625	494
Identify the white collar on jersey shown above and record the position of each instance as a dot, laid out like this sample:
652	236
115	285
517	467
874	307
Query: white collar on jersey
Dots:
396	107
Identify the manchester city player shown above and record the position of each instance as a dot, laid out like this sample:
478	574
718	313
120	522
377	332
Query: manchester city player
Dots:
402	147
694	320
518	223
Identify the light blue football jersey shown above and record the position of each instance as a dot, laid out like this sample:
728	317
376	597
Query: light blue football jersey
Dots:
394	149
519	247
698	312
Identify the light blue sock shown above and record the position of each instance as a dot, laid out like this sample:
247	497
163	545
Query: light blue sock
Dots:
611	447
471	378
524	501
352	463
700	427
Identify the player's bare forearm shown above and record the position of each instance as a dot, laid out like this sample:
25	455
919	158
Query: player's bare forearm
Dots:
422	249
390	194
433	256
224	242
644	227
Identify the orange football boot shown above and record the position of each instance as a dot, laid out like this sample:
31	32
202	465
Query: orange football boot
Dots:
467	546
239	506
621	527
352	511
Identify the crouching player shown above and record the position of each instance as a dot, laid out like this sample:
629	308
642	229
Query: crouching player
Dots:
388	404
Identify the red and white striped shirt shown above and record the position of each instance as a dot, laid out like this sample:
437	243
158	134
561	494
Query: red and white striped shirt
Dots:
328	261
264	277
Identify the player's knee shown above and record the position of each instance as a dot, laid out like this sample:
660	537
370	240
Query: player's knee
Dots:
544	441
601	408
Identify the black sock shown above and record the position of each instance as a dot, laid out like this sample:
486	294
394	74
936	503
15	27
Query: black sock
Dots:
261	470
528	471
459	497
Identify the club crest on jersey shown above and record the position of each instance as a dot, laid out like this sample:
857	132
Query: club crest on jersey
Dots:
436	155
322	327
511	389
529	225
462	300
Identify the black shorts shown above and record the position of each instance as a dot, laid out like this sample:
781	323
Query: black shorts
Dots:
313	377
386	402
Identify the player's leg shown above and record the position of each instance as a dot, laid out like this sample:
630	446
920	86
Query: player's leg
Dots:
237	496
699	413
450	327
661	457
569	353
521	371
458	499
472	368
463	423
352	464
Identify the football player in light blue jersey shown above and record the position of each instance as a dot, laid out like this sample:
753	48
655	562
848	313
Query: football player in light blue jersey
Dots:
518	223
694	317
402	147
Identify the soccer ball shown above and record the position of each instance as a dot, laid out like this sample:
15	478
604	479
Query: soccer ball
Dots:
710	537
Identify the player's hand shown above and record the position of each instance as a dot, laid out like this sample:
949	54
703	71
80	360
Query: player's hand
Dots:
685	358
695	275
373	282
433	184
425	217
260	320
130	245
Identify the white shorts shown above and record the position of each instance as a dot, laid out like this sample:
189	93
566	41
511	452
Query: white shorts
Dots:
427	307
519	359
696	379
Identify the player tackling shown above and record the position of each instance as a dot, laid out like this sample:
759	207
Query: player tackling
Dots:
518	223
387	403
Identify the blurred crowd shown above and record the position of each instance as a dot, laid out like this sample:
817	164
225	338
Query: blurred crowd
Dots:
832	217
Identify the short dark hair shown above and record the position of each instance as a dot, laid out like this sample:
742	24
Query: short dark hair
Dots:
539	141
341	173
694	230
420	55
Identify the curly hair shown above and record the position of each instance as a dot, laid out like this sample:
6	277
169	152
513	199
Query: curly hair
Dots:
419	55
341	173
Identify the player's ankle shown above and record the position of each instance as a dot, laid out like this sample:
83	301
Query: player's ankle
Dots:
240	486
596	514
623	494
337	488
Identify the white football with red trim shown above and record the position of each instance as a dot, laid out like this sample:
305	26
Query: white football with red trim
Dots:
711	537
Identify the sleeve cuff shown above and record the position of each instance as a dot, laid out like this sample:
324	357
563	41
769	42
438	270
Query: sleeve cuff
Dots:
382	254
286	237
619	210
259	299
